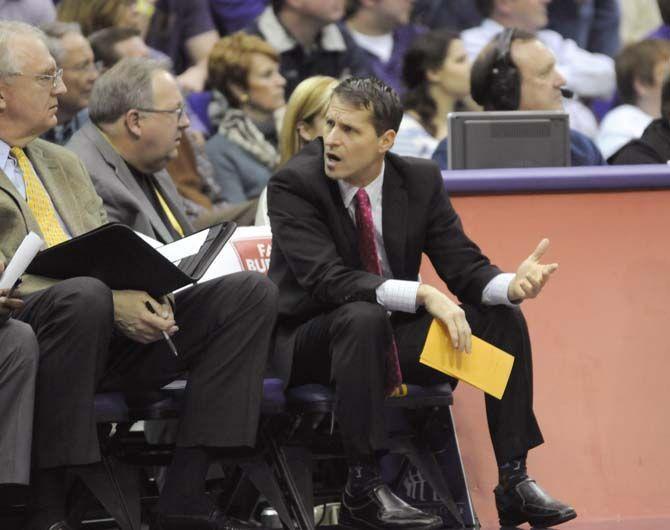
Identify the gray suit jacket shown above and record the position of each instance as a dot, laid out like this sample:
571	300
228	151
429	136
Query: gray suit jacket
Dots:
71	192
123	197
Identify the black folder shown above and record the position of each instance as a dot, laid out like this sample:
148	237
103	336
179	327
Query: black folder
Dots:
117	256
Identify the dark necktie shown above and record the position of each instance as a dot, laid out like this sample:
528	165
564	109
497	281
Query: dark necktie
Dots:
367	250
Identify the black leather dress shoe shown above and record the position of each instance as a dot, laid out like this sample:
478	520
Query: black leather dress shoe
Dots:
380	508
528	502
214	521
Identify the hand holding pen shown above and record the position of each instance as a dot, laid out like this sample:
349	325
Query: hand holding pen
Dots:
167	338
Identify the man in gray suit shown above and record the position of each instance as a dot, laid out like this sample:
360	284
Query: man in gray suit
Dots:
125	148
18	368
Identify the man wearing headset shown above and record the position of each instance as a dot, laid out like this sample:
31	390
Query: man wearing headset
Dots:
516	71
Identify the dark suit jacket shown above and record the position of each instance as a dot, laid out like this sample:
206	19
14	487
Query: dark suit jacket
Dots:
315	259
124	200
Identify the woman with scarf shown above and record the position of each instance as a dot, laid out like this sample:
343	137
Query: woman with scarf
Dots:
243	74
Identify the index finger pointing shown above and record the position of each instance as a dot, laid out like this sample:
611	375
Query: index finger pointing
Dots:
540	249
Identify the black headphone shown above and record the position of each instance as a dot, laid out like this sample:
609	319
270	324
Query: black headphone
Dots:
504	80
496	84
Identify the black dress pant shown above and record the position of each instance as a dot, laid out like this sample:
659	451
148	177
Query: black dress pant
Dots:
347	347
226	326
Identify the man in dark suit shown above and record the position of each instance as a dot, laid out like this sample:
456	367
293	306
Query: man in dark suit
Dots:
92	338
350	221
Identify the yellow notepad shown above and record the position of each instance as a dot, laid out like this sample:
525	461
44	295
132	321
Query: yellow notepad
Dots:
487	367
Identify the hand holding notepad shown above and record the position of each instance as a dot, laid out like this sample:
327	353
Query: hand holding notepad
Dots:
487	367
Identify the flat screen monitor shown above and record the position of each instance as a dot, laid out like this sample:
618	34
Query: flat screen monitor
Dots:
495	139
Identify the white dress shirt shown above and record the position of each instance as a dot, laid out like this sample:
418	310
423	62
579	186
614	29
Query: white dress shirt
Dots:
619	126
588	74
400	295
11	168
413	140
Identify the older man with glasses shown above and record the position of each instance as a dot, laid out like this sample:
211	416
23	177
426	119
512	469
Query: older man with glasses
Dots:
74	56
94	339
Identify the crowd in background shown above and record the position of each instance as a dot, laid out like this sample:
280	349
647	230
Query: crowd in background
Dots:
237	63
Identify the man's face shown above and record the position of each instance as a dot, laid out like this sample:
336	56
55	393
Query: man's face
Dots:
324	11
396	12
352	150
162	131
540	81
530	15
79	72
28	102
131	47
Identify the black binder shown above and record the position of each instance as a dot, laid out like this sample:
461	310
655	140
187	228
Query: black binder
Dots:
117	256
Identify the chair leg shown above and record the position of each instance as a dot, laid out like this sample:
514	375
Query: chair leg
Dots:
116	486
286	477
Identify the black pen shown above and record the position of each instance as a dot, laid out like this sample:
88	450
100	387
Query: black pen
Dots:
165	335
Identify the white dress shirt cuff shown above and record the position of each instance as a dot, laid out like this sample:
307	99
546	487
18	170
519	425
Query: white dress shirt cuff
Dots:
495	292
398	295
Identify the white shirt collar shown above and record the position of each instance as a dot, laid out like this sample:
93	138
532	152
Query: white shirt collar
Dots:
492	26
374	189
276	34
4	153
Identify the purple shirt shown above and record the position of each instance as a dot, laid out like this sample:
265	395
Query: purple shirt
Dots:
233	15
174	23
662	32
391	72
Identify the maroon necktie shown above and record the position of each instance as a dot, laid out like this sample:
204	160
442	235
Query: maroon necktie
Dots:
368	252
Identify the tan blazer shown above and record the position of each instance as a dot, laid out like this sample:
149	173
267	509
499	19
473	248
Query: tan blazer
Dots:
71	191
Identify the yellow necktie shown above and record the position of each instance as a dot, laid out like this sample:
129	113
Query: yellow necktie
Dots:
38	201
173	220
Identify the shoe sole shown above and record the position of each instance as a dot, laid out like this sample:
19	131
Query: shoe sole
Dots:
351	522
539	522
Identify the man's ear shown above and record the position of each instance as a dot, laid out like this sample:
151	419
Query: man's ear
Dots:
132	121
640	88
386	140
3	101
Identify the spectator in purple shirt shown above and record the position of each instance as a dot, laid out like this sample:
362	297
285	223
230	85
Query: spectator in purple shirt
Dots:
382	30
233	15
185	31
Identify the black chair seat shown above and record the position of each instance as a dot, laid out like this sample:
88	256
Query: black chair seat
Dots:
320	398
117	407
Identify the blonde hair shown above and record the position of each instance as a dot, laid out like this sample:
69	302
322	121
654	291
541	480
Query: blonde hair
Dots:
230	60
309	99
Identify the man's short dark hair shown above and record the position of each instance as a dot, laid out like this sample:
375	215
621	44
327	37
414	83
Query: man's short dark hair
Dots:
637	62
664	8
495	83
485	7
374	95
104	40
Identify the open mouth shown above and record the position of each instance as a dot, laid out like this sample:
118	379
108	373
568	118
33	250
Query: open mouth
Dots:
332	158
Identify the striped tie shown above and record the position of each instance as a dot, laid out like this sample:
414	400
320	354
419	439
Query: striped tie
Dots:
39	202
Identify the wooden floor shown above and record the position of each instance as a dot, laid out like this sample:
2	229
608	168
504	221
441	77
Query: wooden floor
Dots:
629	524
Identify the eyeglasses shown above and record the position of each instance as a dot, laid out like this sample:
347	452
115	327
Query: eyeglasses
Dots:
43	79
179	111
87	67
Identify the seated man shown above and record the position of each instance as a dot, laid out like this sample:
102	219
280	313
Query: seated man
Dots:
74	55
589	75
517	72
641	68
18	369
110	45
653	147
350	222
308	39
94	339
